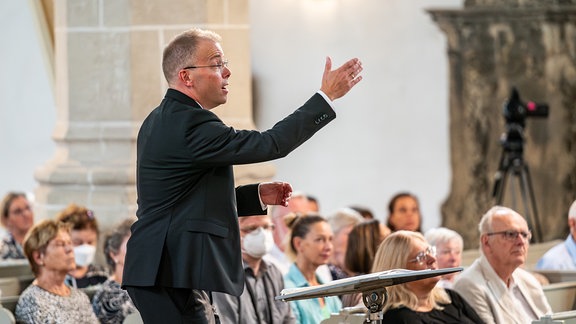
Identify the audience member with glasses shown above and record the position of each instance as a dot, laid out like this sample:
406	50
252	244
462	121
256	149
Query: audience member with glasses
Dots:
262	280
186	242
495	284
421	301
17	217
449	245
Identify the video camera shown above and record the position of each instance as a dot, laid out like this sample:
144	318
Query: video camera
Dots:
515	113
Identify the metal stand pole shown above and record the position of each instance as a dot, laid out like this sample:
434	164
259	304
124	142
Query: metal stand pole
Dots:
374	300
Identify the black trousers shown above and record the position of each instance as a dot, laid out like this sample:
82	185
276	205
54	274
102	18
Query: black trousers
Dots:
173	305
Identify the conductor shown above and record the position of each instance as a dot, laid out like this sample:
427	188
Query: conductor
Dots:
186	242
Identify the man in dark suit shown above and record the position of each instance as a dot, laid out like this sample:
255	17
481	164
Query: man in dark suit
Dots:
186	242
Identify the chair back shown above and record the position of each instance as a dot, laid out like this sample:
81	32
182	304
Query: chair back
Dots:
561	296
6	316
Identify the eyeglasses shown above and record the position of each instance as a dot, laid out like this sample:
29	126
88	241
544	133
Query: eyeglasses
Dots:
423	256
220	66
249	229
512	235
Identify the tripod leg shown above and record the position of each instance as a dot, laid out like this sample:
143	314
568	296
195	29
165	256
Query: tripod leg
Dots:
500	179
527	185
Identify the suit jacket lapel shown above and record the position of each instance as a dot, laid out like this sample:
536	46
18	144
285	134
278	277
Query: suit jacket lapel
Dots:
498	290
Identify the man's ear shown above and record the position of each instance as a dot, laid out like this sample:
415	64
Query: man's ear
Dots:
484	241
185	77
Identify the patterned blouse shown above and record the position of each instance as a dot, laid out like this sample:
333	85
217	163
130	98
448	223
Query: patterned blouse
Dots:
111	303
10	249
37	305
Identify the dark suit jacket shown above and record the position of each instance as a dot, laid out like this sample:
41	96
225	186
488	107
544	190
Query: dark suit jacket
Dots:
187	232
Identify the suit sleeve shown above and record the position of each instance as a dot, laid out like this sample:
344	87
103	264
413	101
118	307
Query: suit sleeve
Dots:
210	142
248	201
476	297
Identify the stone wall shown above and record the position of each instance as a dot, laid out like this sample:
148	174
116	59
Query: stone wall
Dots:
492	47
108	78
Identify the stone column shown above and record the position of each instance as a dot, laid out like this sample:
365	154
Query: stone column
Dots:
494	45
108	78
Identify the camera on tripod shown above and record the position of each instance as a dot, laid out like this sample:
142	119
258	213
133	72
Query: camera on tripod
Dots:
515	114
516	111
512	162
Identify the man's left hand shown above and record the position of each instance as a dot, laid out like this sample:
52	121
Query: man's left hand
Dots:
275	193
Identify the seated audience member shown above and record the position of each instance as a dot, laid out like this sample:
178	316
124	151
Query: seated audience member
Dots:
17	217
449	245
85	239
298	203
313	204
363	242
262	281
366	213
563	255
404	213
311	245
48	299
111	303
495	285
419	301
341	223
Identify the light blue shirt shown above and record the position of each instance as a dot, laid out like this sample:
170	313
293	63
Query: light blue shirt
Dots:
308	311
560	257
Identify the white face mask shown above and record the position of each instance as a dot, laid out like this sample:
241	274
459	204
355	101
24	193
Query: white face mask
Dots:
84	254
258	242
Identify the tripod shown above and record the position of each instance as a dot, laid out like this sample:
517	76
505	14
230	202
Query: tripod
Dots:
512	162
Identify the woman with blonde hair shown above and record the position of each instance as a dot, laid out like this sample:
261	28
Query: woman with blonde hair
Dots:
418	301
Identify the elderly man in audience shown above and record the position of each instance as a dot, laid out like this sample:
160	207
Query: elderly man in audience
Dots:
495	284
563	255
48	299
449	245
262	280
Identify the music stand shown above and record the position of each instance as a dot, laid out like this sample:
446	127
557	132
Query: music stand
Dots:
372	286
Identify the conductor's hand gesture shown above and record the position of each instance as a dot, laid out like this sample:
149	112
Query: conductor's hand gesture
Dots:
275	193
336	83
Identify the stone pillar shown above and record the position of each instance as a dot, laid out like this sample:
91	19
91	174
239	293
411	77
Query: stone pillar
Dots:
108	78
494	45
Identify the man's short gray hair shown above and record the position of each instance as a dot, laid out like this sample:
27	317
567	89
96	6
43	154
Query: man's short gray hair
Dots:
485	225
572	210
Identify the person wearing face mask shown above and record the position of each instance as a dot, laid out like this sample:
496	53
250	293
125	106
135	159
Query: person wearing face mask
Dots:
84	235
262	282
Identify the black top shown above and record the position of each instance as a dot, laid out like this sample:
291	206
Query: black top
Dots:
458	312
